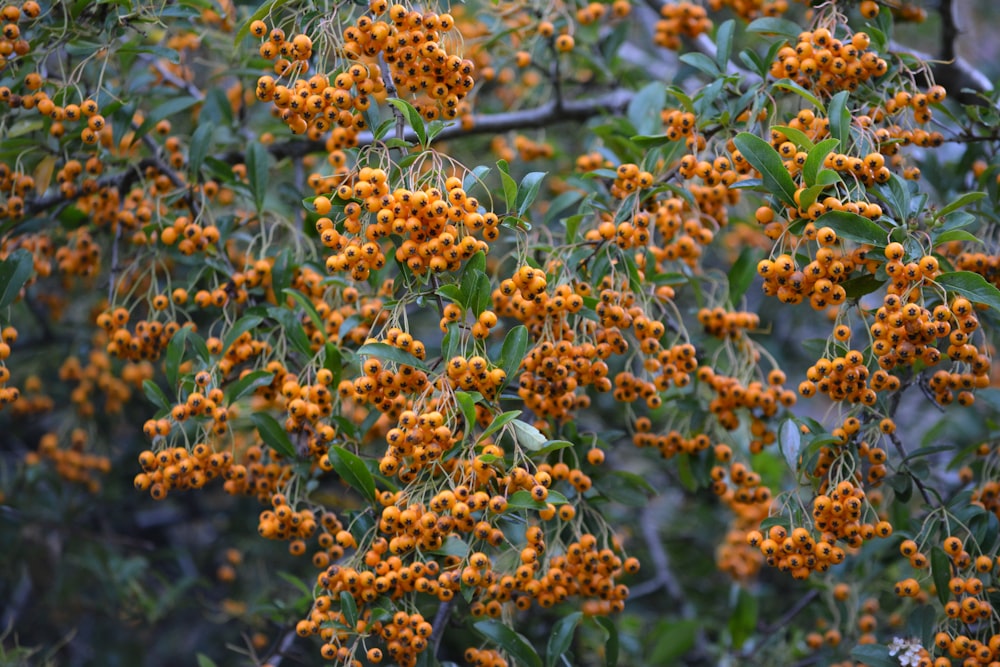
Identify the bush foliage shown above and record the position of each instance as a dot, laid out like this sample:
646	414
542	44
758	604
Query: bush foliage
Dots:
497	333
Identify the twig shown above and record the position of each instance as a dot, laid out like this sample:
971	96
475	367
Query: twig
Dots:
440	622
949	30
278	654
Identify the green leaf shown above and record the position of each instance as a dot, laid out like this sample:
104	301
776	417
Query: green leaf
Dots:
475	291
389	353
307	306
702	63
528	436
515	346
247	384
941	573
468	407
263	10
273	434
240	327
333	361
791	86
840	118
509	185
742	274
743	620
352	470
762	156
774	26
972	286
155	394
162	111
499	422
561	637
858	287
257	170
413	117
292	328
512	643
790	442
625	487
954	235
204	660
921	624
453	546
963	200
674	638
349	608
611	645
551	446
854	227
874	655
724	43
527	191
817	154
201	140
797	137
14	272
175	352
645	106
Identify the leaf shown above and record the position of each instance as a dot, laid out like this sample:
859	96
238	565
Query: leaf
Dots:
263	10
791	86
240	327
611	645
247	384
527	191
762	156
954	235
200	142
724	43
528	436
468	407
963	200
413	117
508	183
742	274
514	644
515	346
155	394
306	305
561	637
854	227
674	638
273	435
292	328
774	26
858	287
941	573
257	169
475	291
972	286
874	655
453	546
817	154
840	118
790	442
175	352
499	422
625	487
797	137
14	272
743	620
349	608
645	106
390	353
162	111
204	660
921	623
702	63
552	446
352	470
